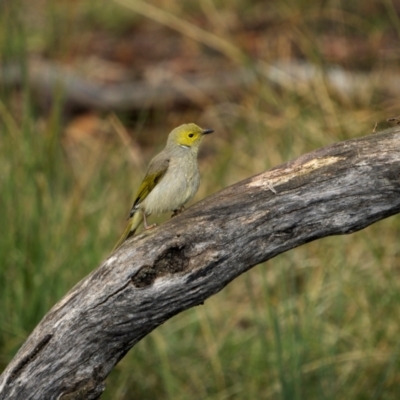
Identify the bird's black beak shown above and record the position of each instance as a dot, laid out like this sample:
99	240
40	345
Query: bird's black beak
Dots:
207	131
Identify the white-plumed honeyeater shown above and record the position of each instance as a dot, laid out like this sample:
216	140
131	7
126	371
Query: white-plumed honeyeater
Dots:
171	180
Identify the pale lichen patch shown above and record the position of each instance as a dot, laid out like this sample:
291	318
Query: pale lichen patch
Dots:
281	176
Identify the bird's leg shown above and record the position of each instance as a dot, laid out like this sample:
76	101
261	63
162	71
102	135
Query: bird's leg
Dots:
146	227
178	211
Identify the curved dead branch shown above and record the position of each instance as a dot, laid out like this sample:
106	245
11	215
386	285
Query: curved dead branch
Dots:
335	190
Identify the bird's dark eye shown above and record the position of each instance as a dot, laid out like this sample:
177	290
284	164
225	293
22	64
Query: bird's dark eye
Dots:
191	135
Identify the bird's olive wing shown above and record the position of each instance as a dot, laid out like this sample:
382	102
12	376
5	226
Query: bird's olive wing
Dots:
155	173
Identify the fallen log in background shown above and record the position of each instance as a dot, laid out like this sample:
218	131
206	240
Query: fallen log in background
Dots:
335	190
48	79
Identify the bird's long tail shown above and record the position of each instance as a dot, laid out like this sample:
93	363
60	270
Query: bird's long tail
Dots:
131	228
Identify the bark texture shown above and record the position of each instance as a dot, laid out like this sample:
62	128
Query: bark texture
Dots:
335	190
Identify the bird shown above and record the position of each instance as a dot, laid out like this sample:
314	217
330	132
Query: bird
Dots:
172	178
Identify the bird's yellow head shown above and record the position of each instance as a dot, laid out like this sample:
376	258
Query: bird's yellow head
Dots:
187	136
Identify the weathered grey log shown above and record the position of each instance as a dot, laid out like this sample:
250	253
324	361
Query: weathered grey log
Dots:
47	78
335	190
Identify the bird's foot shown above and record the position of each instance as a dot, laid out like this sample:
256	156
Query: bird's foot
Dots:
147	227
177	211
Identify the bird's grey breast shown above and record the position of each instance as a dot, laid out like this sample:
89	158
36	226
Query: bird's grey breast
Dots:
178	186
